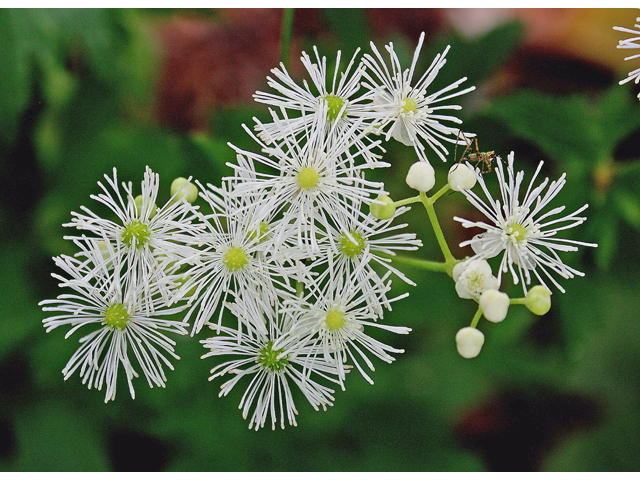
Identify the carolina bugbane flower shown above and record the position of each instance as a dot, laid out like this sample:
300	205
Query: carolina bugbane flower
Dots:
519	231
101	300
412	112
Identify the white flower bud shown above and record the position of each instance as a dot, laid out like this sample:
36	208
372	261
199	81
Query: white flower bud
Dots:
494	305
474	277
469	341
538	300
189	191
421	176
461	177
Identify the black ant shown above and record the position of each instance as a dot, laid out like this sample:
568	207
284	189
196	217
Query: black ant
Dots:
474	155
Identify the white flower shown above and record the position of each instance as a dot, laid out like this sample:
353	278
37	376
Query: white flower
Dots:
461	177
352	253
316	182
270	368
101	299
345	105
494	305
230	264
334	317
469	341
524	235
473	277
631	43
413	113
145	239
421	177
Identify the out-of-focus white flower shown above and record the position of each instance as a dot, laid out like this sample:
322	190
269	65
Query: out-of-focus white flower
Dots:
461	177
271	369
412	112
494	305
520	231
469	341
474	277
632	42
146	239
122	331
421	176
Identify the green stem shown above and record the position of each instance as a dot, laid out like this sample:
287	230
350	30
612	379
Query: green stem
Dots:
422	264
407	201
299	289
439	193
428	205
517	301
285	36
476	318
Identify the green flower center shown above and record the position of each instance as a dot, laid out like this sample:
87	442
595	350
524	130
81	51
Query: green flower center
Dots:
517	232
409	106
268	358
352	249
137	230
116	316
334	104
334	320
308	178
235	258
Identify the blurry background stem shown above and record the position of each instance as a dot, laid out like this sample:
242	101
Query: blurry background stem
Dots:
285	36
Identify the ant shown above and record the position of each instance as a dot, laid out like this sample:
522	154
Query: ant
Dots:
474	155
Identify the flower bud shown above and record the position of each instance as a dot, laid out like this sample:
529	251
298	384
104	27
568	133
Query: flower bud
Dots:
473	278
421	176
383	212
461	177
469	341
494	305
189	191
538	300
138	203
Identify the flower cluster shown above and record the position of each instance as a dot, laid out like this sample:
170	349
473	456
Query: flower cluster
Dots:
290	260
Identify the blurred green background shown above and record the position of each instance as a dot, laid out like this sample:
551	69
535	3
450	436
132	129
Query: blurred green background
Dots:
82	91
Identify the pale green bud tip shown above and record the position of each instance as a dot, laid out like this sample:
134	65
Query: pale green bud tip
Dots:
383	212
494	305
189	192
421	176
469	341
461	177
538	300
138	202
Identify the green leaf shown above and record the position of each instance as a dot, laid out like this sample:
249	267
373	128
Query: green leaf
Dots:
350	26
53	436
15	85
628	206
619	115
561	126
607	239
475	59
